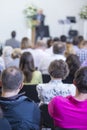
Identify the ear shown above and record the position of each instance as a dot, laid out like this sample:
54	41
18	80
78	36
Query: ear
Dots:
20	86
74	82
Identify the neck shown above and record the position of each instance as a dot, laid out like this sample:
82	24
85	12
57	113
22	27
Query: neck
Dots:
9	94
81	96
52	78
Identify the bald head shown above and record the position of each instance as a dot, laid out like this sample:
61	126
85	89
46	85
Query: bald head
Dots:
12	77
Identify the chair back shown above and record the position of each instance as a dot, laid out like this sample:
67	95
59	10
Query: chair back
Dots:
46	120
30	91
46	78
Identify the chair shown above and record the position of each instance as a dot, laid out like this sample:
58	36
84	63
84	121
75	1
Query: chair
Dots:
46	78
46	120
30	91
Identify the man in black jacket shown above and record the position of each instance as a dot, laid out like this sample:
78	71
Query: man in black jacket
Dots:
21	112
39	17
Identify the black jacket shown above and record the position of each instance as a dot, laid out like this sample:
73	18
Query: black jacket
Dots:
21	112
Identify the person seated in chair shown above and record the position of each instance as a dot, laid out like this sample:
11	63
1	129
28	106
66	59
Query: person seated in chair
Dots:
58	70
71	112
21	112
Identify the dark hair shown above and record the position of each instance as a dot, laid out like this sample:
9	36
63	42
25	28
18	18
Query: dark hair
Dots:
49	43
27	66
13	34
58	69
80	38
55	39
58	48
73	63
12	77
81	79
63	38
75	41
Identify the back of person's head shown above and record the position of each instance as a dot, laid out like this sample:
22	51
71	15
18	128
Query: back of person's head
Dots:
69	49
73	63
16	53
27	65
49	43
83	44
12	78
58	48
7	51
13	34
25	43
75	41
80	80
55	39
80	38
63	38
58	69
41	44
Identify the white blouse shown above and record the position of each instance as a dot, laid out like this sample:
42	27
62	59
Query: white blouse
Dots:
54	88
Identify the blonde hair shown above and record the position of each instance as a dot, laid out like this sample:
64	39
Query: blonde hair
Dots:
25	43
16	53
69	49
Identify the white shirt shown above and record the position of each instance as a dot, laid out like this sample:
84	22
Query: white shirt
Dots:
54	88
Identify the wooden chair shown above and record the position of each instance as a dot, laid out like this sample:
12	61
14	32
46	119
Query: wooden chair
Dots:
30	91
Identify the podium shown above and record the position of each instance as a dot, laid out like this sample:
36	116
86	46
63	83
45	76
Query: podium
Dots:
33	35
43	32
33	31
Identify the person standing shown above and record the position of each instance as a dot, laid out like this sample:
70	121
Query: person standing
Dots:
40	18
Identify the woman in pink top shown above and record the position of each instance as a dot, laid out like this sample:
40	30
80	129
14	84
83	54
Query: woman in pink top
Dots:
71	112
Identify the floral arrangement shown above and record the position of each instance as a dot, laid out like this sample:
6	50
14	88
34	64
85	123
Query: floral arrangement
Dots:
83	13
29	12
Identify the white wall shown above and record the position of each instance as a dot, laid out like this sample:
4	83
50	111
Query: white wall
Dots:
12	17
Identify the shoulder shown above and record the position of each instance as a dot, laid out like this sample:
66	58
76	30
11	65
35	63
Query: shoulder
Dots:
43	86
36	72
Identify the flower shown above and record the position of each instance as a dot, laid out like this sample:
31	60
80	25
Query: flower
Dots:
83	13
29	12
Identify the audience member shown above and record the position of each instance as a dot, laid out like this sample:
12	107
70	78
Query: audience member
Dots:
58	53
56	39
75	43
7	51
39	52
31	76
13	42
58	70
69	49
71	112
63	38
16	54
82	53
25	44
80	38
21	112
49	43
74	64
